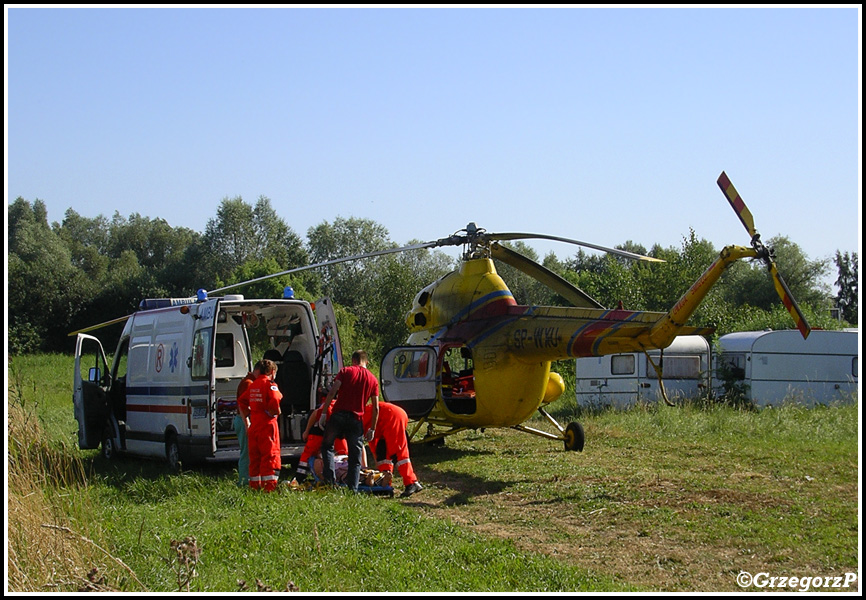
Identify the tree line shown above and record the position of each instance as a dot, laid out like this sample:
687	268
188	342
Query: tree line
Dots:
82	271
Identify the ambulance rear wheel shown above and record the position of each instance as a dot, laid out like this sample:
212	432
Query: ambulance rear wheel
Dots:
172	452
574	437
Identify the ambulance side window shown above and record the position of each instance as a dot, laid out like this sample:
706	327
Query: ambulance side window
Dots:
225	350
201	347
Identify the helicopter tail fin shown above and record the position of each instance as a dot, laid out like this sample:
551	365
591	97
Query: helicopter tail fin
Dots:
673	323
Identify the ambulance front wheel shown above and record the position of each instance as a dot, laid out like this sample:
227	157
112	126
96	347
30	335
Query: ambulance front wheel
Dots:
172	452
109	449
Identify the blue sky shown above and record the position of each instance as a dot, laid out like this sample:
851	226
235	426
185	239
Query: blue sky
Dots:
603	125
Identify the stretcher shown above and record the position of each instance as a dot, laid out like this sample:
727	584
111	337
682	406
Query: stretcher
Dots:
369	475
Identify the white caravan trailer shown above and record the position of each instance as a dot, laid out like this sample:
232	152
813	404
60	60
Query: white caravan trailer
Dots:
621	380
171	389
774	366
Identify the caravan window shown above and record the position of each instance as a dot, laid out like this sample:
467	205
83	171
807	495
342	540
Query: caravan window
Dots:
622	364
733	363
201	347
678	367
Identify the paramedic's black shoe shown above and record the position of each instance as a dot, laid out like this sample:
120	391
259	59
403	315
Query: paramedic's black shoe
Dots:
411	489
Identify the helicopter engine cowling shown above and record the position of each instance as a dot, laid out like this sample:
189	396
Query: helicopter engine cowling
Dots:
555	388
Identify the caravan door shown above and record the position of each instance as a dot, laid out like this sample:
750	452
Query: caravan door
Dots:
408	378
91	383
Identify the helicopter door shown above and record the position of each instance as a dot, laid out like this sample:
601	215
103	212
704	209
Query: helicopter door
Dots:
409	379
91	382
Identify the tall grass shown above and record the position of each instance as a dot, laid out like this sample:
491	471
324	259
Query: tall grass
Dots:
48	509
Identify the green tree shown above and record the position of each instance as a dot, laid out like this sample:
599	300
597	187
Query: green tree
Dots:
750	283
397	279
45	290
379	290
240	233
847	281
525	288
348	282
88	242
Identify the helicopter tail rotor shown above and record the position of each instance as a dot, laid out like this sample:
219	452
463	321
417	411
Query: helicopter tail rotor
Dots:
764	253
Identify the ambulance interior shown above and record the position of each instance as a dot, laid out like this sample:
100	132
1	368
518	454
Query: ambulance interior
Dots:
246	334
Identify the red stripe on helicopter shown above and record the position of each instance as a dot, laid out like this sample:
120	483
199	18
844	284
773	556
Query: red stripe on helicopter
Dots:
585	341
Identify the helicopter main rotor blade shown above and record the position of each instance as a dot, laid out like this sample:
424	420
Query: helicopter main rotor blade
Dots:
788	300
542	236
737	203
764	253
541	273
100	325
327	263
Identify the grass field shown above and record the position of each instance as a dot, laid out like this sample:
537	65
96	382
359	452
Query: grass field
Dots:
673	499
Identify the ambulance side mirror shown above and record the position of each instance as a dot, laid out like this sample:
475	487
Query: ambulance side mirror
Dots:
93	375
189	363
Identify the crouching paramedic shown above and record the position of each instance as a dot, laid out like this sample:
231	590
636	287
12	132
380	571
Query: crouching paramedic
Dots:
264	398
390	444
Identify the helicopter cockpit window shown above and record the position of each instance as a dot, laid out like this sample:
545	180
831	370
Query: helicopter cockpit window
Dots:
412	364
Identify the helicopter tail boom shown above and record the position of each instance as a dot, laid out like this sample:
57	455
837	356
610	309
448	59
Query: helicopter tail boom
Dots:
673	323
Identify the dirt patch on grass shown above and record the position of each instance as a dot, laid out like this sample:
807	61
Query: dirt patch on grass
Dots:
651	535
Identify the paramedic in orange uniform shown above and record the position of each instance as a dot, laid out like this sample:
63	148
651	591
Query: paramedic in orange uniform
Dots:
390	444
264	398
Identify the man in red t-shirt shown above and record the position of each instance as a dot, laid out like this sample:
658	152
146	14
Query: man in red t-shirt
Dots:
264	397
356	385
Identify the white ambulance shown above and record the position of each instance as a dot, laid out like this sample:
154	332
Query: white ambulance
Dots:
171	389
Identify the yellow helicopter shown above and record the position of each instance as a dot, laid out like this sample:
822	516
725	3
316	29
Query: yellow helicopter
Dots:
476	359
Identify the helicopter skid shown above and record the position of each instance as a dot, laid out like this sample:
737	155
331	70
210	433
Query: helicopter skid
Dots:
432	437
539	433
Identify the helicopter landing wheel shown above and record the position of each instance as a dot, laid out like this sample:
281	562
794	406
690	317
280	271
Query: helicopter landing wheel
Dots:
574	437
